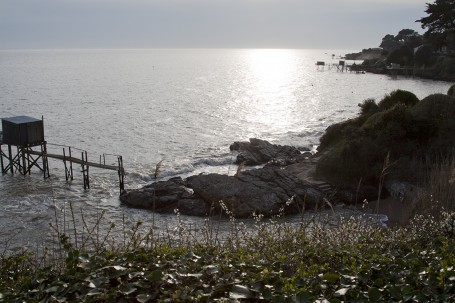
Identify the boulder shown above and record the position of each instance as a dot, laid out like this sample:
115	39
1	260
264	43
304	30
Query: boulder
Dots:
164	197
258	151
266	191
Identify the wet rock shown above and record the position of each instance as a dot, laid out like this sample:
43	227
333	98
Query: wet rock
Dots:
258	151
267	191
165	197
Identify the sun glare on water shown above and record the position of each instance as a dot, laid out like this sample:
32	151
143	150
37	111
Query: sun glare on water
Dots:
271	76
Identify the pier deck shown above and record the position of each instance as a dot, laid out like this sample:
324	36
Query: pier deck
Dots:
74	160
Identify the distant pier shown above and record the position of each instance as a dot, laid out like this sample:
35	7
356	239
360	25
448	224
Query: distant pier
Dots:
26	148
341	66
395	69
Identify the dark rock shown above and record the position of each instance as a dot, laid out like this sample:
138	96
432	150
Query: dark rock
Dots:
259	151
164	197
266	191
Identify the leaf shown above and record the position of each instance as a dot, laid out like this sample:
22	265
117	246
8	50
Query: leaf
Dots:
267	294
93	283
374	294
142	298
341	292
211	269
127	289
332	278
155	276
52	289
395	292
301	297
197	276
94	292
240	292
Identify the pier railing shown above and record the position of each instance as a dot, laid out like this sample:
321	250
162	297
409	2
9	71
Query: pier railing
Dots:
26	157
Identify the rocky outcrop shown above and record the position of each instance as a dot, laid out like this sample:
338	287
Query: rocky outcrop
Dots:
165	197
265	191
258	151
268	191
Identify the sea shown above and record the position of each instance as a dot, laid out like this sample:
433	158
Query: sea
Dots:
181	108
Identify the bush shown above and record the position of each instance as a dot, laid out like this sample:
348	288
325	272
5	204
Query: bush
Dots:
368	106
338	131
398	96
400	125
434	108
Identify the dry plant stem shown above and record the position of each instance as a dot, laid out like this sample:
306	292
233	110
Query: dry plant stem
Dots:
91	231
74	224
384	172
155	175
357	192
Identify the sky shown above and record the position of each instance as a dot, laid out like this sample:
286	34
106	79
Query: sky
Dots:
323	24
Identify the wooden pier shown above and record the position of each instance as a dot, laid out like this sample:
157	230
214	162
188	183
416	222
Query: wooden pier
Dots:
26	148
341	66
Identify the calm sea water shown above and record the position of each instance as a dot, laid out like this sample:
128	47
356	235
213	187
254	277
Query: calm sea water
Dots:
181	106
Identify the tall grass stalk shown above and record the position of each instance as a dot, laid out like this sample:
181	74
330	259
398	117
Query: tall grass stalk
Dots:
438	188
385	170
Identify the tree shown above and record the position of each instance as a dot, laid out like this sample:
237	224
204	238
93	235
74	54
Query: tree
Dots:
403	56
405	37
440	22
389	43
409	37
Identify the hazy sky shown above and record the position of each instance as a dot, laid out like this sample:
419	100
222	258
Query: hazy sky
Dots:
337	24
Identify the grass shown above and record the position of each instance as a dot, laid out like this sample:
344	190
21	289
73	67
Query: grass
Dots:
438	188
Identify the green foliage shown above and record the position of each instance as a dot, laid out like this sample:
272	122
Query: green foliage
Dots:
398	97
353	261
440	22
399	125
336	132
434	108
405	37
403	55
368	106
424	56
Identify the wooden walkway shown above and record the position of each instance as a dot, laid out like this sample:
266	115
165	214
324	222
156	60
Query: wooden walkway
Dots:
74	160
23	160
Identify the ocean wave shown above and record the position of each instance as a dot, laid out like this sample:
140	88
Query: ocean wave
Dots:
216	163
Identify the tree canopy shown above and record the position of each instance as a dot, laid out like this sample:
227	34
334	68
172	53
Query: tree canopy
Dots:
440	22
405	37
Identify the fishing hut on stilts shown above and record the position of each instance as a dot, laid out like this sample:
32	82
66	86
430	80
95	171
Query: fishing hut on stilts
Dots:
26	148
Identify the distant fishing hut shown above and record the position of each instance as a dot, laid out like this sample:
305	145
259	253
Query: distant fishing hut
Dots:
27	148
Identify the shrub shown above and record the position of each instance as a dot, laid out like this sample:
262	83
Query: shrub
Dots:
398	96
336	132
434	108
368	106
